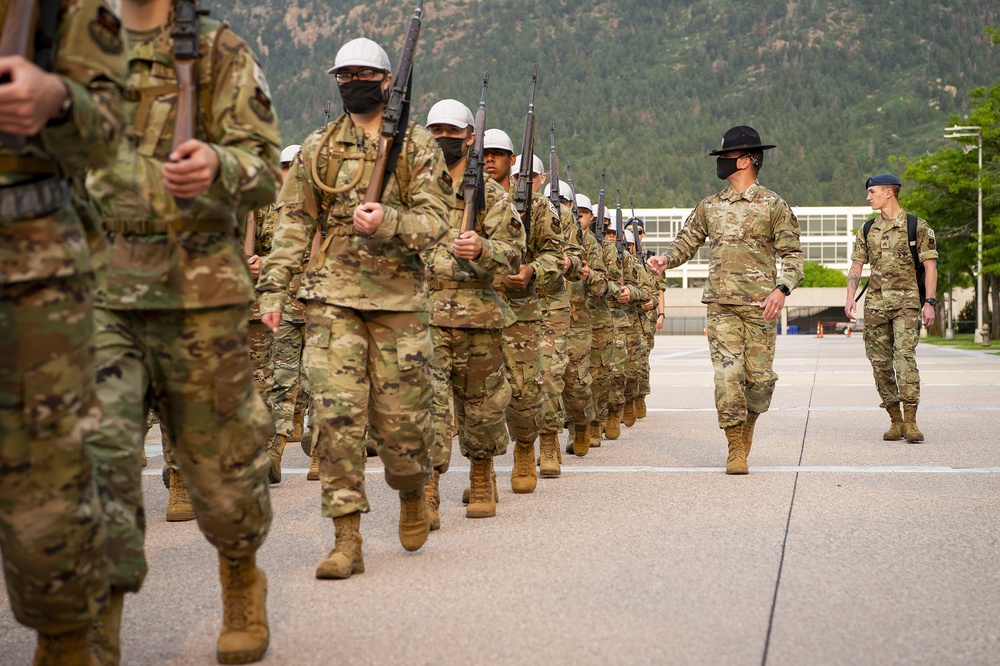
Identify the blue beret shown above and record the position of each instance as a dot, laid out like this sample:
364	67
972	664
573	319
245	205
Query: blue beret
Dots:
882	179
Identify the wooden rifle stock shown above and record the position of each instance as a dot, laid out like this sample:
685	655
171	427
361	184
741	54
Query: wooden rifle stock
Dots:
186	54
250	237
17	28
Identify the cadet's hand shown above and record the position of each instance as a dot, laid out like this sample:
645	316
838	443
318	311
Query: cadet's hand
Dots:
927	315
850	309
254	263
625	295
367	217
585	272
659	323
772	305
566	263
30	99
523	276
271	320
649	305
467	246
657	264
191	170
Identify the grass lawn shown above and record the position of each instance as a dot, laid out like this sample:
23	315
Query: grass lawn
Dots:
964	341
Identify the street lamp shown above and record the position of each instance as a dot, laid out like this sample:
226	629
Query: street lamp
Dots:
957	132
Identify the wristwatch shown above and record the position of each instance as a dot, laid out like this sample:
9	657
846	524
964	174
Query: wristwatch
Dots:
930	301
660	315
783	288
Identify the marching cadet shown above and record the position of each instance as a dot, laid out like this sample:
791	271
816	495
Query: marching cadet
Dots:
747	225
173	304
624	290
638	349
58	117
468	317
368	343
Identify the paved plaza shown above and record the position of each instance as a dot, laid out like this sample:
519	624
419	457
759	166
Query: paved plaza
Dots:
838	548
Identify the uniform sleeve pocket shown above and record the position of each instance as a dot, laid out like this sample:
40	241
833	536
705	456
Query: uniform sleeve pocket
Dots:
317	333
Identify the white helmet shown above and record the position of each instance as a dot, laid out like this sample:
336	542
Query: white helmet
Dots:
583	202
564	190
288	153
537	167
497	139
361	52
450	112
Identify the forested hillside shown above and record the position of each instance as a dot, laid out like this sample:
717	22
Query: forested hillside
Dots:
648	88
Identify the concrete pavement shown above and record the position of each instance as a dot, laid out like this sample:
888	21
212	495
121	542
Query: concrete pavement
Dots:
838	548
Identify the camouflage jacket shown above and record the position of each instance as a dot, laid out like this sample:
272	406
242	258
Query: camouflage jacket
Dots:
503	246
545	257
745	232
266	224
90	61
616	267
554	295
893	281
160	256
600	312
580	291
645	289
383	271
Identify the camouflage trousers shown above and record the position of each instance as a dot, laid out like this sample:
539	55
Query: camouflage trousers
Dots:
741	345
291	393
522	360
193	368
602	351
619	363
51	534
636	353
261	347
467	367
578	395
891	337
644	368
555	358
372	368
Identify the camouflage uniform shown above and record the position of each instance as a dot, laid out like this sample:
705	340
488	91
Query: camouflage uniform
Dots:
637	352
578	396
745	232
555	326
602	348
619	314
892	305
173	301
367	342
468	318
51	533
261	337
521	354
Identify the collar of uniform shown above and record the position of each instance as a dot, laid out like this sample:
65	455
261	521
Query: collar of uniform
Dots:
347	133
898	221
730	195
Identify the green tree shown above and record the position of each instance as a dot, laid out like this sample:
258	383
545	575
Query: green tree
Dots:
817	275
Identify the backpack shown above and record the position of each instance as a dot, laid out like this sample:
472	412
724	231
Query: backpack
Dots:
911	234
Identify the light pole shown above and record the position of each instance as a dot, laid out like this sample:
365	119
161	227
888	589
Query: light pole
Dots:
957	132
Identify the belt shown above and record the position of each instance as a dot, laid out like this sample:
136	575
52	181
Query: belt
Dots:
27	164
150	227
524	293
438	285
341	231
30	201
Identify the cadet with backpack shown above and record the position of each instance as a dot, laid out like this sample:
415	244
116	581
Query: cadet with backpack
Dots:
903	256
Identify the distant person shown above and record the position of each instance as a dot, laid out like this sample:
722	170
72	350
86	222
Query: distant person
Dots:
747	225
893	310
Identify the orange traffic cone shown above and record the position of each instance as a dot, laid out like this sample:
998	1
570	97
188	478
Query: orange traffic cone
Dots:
848	332
819	330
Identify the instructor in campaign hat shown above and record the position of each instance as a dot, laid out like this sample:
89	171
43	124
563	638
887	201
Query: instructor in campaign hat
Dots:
746	225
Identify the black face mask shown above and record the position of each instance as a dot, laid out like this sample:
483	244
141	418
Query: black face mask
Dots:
362	96
725	167
453	149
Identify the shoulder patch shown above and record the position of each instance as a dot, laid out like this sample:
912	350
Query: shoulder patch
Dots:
260	104
106	31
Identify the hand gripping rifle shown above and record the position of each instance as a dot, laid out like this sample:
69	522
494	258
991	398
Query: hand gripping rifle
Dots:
576	209
619	232
396	116
18	27
472	181
522	197
553	169
186	54
599	222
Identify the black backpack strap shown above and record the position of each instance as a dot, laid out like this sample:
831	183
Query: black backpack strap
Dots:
918	266
867	227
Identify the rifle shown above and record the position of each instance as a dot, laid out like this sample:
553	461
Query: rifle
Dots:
18	28
186	54
396	116
553	169
634	221
576	209
472	180
599	222
522	197
326	111
250	237
619	232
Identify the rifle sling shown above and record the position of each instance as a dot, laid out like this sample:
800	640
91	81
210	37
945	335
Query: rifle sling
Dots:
45	33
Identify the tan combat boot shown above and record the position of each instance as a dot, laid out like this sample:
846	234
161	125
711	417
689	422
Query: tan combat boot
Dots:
245	635
105	631
895	431
414	525
640	407
297	426
748	432
68	648
910	430
548	460
628	416
179	507
432	500
524	478
467	492
596	432
482	500
346	557
613	429
737	461
581	439
313	473
275	449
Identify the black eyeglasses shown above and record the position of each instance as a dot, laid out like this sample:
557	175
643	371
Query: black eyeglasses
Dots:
361	75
